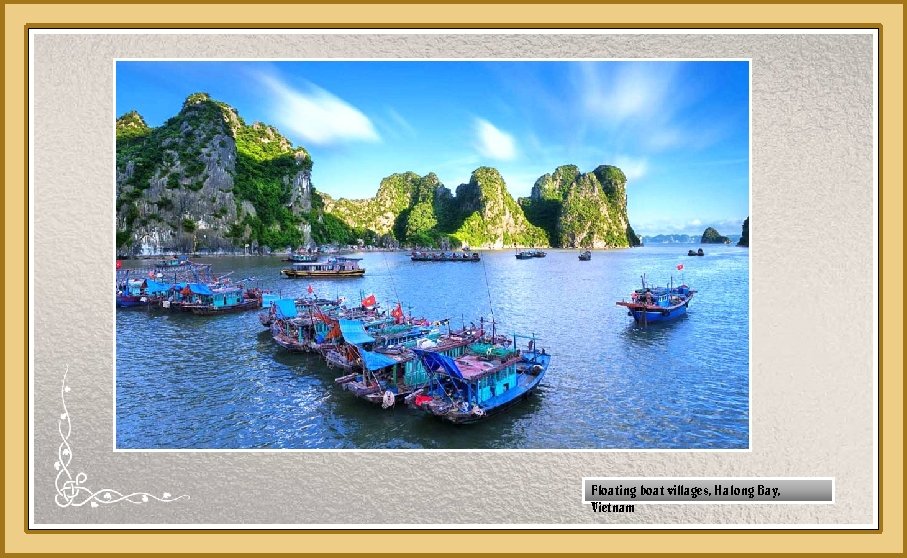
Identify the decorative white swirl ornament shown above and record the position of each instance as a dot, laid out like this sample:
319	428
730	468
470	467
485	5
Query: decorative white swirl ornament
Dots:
71	491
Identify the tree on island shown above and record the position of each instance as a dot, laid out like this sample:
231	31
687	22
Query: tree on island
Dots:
745	235
711	236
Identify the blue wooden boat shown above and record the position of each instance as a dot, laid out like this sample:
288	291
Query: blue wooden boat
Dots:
390	373
585	256
486	379
658	304
525	255
140	292
205	301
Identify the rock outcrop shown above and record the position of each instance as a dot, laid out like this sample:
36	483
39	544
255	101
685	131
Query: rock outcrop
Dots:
711	236
745	235
582	210
206	181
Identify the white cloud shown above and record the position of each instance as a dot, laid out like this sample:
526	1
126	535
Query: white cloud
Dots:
401	122
317	116
494	143
634	167
636	90
695	223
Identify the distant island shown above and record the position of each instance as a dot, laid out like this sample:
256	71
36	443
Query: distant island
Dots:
679	238
206	181
711	236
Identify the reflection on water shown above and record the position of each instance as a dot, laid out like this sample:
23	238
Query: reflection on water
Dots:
187	381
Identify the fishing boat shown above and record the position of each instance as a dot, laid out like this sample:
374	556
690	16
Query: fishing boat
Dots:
301	257
481	382
444	257
205	301
389	373
140	293
658	304
538	254
267	316
173	261
585	256
525	254
339	266
696	252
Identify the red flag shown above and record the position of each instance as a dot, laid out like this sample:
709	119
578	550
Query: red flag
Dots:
310	289
679	267
119	264
397	313
369	301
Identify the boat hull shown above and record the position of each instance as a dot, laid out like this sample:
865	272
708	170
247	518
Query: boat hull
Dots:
215	310
129	301
528	383
650	317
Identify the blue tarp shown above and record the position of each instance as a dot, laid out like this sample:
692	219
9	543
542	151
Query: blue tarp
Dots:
268	299
153	287
286	308
435	362
375	361
354	332
199	288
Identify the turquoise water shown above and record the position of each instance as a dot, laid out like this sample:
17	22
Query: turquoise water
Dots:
187	381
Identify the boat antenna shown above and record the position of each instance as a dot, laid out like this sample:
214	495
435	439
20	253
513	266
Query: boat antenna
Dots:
393	283
488	290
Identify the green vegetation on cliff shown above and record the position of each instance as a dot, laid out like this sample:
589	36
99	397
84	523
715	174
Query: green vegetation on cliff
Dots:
582	210
241	184
205	179
711	236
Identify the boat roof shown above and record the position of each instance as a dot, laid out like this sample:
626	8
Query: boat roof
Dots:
152	287
286	308
353	332
199	288
467	368
375	361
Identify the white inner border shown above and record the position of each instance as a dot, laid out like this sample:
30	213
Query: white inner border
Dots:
875	265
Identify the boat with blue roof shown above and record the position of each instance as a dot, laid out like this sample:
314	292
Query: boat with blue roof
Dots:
482	381
202	300
388	373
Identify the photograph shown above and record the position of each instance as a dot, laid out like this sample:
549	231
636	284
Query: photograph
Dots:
432	255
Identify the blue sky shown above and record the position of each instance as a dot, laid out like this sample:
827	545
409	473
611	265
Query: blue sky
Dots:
679	130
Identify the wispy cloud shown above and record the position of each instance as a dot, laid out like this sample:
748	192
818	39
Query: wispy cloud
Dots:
635	90
634	167
401	123
316	115
494	143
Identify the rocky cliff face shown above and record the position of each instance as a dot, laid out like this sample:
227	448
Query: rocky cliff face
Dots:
745	235
490	216
204	180
582	210
420	211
